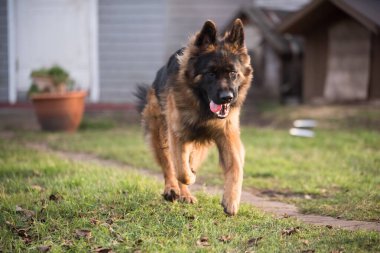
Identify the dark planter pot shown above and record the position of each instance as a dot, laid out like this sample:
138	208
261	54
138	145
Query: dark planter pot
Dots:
59	112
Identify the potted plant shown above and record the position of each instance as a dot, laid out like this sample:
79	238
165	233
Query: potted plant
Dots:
58	106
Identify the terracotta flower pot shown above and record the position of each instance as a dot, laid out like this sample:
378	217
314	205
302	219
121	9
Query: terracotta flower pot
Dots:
59	112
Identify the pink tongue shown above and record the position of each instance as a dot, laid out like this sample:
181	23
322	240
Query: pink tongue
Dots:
215	107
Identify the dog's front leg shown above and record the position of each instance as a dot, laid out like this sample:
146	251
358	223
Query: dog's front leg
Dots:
180	151
231	155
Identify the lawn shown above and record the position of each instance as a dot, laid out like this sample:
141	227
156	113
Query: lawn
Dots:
51	203
337	173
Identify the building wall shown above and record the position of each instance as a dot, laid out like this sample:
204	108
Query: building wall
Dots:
374	83
131	45
3	52
316	58
187	17
137	37
315	64
348	61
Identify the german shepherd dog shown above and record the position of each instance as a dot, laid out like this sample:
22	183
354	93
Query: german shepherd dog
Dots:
195	101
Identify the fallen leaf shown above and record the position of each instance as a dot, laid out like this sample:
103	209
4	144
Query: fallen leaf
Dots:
225	238
254	241
27	240
308	251
94	221
23	233
103	250
44	248
37	187
289	231
203	241
138	242
305	242
27	213
109	221
83	233
55	197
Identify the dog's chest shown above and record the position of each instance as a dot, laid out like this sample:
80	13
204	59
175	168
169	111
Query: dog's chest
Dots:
205	131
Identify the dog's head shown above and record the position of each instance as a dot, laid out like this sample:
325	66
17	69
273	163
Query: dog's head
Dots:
218	68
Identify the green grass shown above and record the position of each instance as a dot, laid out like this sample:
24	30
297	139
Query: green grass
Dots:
125	212
338	171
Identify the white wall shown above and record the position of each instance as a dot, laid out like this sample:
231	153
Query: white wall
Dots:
54	32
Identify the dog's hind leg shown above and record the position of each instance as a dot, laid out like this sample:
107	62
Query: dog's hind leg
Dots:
156	134
198	155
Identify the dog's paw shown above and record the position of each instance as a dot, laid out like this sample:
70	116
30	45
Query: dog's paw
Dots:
171	194
188	198
230	207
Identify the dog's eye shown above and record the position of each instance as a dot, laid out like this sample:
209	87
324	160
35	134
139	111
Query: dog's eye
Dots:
210	74
233	75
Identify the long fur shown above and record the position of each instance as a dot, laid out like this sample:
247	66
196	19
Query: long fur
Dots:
177	117
141	95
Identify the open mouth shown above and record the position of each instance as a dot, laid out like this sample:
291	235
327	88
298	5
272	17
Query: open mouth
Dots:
221	111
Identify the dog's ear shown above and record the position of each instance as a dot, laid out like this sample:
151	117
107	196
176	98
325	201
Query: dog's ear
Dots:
236	35
207	36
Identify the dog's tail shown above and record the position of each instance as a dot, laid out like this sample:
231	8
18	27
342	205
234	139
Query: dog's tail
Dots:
141	94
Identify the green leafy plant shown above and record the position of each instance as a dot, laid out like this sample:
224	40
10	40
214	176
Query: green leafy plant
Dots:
42	72
58	75
50	80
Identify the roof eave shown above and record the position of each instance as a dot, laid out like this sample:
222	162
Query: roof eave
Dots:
291	24
358	16
288	25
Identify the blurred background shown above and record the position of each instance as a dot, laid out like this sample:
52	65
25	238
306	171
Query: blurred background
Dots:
303	51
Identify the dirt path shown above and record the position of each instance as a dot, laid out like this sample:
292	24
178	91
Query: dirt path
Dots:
279	209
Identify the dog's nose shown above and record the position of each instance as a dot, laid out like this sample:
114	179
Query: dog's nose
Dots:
226	96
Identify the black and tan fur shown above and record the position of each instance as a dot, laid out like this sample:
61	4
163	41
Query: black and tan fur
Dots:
177	118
